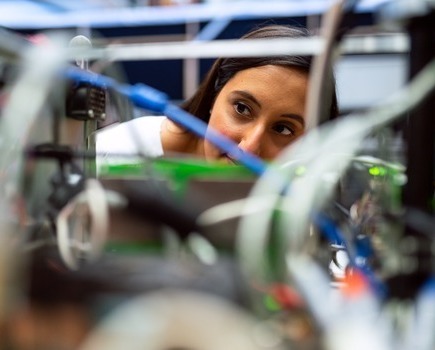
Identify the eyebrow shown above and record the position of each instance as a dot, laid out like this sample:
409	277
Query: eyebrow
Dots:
296	117
249	96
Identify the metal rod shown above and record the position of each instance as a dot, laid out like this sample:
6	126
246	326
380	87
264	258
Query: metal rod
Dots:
388	43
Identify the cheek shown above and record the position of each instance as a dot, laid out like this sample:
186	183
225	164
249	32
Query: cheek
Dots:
223	124
277	149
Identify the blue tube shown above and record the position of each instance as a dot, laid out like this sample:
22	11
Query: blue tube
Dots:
149	98
333	234
201	129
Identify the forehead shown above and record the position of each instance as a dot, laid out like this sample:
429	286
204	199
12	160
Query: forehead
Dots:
271	83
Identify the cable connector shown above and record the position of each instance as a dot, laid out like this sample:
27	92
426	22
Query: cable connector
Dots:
147	97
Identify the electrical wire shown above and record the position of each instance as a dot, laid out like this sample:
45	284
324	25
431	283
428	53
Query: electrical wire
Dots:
237	208
231	210
308	193
148	98
334	235
26	100
82	225
305	196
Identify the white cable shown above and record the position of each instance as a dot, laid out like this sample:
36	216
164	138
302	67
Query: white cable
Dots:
348	135
365	159
231	210
306	195
82	225
26	99
236	208
257	242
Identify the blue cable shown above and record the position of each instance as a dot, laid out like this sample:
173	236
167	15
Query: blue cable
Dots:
334	236
149	98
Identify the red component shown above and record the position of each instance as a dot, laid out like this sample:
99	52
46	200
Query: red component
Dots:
286	296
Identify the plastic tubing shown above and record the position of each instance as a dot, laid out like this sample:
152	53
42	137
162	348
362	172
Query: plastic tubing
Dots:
322	152
149	98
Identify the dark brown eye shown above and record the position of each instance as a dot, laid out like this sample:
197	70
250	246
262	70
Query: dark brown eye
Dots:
242	109
284	130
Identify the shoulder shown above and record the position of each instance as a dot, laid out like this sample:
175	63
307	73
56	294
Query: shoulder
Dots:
176	139
139	135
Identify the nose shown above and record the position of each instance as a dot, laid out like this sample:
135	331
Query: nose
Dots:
252	138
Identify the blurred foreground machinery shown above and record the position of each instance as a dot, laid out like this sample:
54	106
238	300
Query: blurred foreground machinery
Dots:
332	246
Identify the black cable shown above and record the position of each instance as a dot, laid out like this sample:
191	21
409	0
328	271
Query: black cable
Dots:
159	205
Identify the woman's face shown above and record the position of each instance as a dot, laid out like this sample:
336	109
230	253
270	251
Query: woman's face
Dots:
262	109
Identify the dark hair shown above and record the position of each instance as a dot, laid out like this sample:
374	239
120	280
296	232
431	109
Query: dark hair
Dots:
224	69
